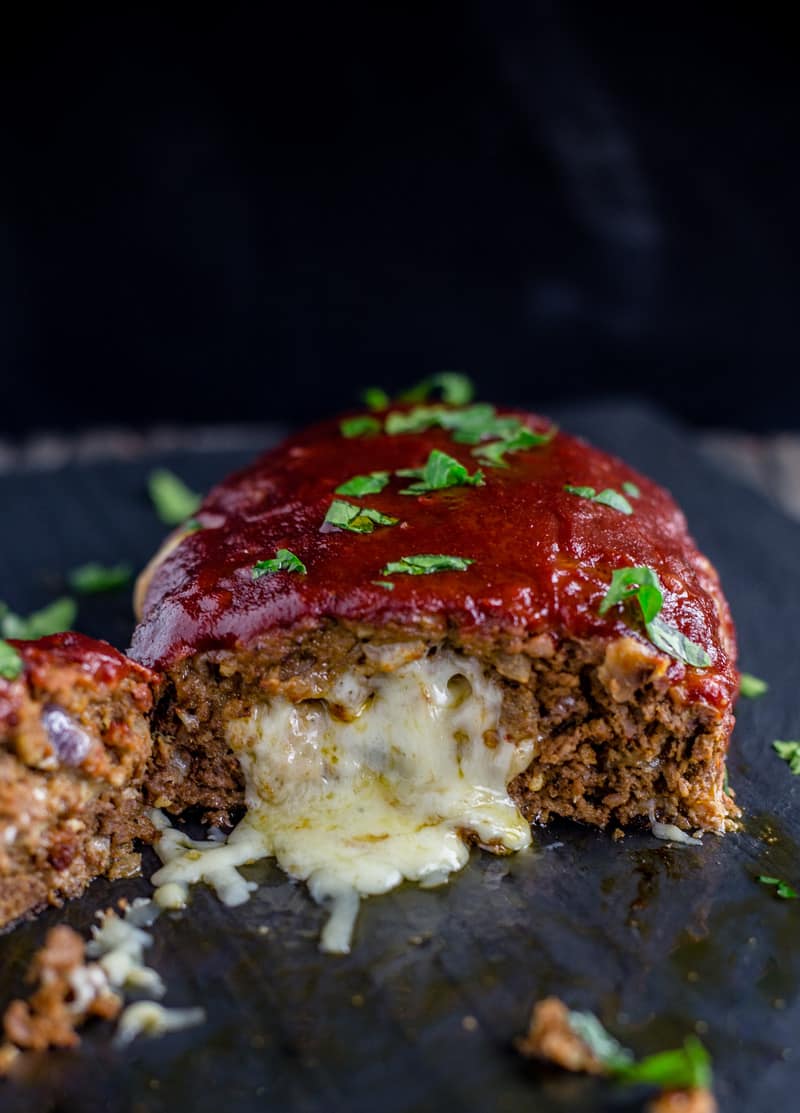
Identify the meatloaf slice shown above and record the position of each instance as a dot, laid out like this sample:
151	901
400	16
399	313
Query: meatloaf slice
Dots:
553	602
74	744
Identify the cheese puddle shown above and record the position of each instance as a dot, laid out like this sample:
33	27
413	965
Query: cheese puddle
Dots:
377	784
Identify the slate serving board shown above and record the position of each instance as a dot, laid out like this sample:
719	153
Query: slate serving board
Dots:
659	941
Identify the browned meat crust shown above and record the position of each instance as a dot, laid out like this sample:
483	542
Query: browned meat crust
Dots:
616	740
683	1101
74	744
550	1037
67	994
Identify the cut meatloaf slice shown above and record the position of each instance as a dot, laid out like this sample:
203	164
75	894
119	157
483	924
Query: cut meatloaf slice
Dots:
74	744
454	614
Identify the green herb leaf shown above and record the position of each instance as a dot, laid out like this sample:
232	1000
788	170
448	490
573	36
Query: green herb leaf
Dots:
790	752
283	561
172	499
375	398
493	454
92	578
455	388
422	564
52	619
751	687
676	644
360	426
631	489
384	583
192	525
441	471
608	497
358	519
643	585
687	1068
786	892
605	1048
10	661
361	485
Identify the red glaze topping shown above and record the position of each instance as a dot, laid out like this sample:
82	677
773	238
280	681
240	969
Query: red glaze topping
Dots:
98	661
543	558
83	659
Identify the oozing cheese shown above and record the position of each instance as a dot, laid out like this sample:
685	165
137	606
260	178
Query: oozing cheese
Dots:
376	784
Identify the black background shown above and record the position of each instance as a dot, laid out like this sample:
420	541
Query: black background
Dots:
247	212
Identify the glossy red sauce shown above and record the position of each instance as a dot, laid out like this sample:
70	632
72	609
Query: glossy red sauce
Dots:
97	660
542	557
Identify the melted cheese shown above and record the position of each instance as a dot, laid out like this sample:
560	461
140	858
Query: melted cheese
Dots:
377	784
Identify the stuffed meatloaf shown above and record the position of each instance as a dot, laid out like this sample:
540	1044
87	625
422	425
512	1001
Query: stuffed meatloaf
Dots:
437	621
74	744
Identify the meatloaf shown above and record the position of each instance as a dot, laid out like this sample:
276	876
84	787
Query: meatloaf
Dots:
74	745
572	615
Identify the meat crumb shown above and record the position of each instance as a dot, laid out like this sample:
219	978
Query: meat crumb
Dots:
683	1101
551	1037
69	991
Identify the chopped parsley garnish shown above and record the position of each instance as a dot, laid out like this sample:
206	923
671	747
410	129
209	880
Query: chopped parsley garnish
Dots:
360	426
10	661
361	485
172	499
643	585
93	578
384	583
686	1068
494	453
631	489
52	619
790	752
786	892
359	519
283	561
375	398
608	497
751	687
440	471
455	389
422	564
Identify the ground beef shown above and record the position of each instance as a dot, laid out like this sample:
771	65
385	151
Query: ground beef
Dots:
615	742
74	745
68	992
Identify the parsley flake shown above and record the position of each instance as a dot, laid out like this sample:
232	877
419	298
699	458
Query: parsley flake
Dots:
384	583
439	472
10	661
423	564
751	687
172	499
516	440
455	389
358	519
608	497
361	485
360	426
283	561
52	619
93	578
686	1068
786	892
374	398
790	752
643	585
631	489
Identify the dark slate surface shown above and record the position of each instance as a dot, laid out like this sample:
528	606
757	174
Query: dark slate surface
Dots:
657	940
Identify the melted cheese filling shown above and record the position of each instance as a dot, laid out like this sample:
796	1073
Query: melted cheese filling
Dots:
377	784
